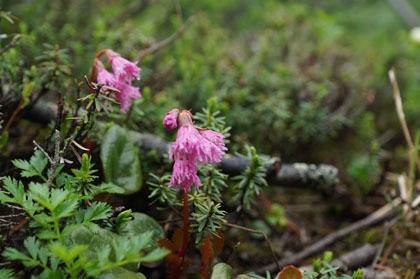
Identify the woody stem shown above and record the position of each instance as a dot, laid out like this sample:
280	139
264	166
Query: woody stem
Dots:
186	227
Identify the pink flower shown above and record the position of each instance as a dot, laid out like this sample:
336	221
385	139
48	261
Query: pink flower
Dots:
184	175
127	92
170	119
106	78
214	137
193	146
123	69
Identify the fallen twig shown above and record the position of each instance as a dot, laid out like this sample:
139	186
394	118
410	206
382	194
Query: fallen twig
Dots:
400	112
298	174
374	218
273	255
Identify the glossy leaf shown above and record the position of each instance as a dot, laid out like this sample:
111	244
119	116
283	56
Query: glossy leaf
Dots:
290	272
120	160
221	271
142	223
119	272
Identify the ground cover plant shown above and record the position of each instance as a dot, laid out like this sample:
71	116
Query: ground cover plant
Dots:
209	139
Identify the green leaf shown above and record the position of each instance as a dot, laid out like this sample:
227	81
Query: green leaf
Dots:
7	273
221	271
34	167
58	196
155	255
143	223
119	272
120	160
97	211
66	208
39	192
13	254
95	240
67	254
32	245
15	188
107	188
26	92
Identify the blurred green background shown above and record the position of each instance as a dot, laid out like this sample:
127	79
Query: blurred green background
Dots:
304	80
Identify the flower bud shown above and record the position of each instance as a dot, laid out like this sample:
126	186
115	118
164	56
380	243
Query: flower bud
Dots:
170	120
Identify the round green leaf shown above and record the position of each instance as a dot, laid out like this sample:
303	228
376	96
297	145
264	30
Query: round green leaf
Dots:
143	223
221	271
119	272
120	160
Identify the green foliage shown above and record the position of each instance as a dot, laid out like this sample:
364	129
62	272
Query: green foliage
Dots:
210	118
120	160
144	223
7	273
324	269
209	217
34	167
64	227
159	190
251	181
276	215
214	182
119	226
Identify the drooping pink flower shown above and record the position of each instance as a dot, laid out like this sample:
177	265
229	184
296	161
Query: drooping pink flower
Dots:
170	120
124	69
184	175
193	146
214	137
127	92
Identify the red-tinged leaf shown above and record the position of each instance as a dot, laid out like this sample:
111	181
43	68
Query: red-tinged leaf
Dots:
175	265
173	262
206	252
218	243
290	272
178	238
166	243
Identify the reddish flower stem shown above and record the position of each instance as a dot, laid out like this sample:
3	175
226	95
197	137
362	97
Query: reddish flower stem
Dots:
93	72
186	227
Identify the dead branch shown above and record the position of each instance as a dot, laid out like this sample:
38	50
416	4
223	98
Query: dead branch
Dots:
167	41
376	217
298	174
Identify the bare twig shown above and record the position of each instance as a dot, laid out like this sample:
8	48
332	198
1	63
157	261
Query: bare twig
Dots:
377	216
167	41
56	160
43	151
11	44
382	245
406	11
399	107
407	188
273	255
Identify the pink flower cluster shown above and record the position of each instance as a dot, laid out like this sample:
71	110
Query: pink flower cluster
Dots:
124	73
193	145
